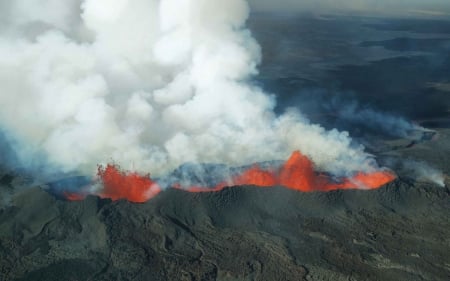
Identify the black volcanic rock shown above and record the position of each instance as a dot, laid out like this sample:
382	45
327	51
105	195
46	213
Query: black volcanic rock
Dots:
398	232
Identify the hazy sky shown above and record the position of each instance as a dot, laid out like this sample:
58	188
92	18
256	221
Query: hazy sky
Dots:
381	7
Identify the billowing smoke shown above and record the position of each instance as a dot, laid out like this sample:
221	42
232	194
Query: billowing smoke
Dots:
149	85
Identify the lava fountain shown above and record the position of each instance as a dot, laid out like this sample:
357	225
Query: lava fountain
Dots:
296	173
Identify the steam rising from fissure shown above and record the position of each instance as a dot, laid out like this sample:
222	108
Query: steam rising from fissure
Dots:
149	85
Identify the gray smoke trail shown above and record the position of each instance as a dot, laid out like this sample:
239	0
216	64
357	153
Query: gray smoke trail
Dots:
149	85
387	123
420	170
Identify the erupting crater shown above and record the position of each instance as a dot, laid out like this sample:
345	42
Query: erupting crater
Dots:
296	173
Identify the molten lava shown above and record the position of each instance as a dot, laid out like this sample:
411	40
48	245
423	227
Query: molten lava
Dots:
296	173
123	185
72	196
118	184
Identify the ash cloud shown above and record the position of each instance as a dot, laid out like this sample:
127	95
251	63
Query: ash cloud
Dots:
149	85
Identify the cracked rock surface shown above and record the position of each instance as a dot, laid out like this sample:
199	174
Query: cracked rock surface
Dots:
399	232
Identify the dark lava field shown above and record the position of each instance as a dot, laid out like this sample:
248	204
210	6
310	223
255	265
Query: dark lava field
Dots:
400	231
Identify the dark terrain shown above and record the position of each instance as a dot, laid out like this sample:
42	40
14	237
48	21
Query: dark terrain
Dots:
398	232
399	67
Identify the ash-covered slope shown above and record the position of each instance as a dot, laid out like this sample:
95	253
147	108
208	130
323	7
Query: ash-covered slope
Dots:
398	232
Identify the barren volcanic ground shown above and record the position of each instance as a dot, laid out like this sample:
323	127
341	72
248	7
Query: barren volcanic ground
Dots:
398	232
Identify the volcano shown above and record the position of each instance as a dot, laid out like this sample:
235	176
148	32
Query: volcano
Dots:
393	232
157	140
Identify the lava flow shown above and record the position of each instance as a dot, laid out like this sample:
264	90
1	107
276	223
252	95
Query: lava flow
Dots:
122	185
296	173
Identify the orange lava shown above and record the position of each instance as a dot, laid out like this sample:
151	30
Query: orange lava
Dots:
366	181
296	173
255	176
72	196
124	185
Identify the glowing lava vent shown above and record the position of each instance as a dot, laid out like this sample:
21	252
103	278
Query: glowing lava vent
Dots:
296	173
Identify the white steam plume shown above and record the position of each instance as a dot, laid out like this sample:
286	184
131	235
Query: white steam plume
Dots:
148	84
